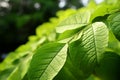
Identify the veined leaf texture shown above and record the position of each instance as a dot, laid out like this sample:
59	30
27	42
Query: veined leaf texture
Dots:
78	44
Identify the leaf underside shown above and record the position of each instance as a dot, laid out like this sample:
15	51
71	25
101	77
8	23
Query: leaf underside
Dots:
47	61
87	52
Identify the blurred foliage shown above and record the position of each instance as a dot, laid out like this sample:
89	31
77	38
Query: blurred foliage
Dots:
82	34
19	18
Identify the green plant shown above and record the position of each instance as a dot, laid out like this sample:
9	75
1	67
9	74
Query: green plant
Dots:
80	44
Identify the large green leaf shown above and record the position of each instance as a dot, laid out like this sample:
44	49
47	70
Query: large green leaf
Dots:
114	24
87	52
74	21
47	61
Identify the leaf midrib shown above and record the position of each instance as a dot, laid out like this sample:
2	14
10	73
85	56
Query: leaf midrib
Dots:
94	40
50	63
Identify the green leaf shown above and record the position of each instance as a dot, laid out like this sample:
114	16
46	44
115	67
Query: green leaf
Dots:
81	59
87	52
74	21
47	61
114	23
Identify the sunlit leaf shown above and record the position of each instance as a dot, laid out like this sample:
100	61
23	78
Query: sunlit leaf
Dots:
47	61
87	52
75	21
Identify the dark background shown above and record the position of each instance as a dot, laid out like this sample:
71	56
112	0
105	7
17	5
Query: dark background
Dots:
19	19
